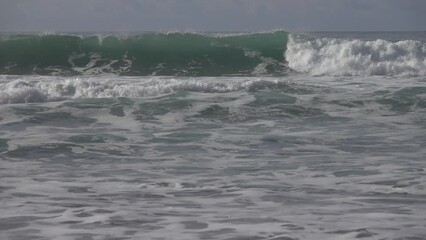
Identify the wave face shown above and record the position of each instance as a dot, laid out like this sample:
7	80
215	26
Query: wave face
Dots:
168	54
326	56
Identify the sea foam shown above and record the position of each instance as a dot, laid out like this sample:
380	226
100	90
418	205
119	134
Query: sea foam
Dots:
326	56
28	89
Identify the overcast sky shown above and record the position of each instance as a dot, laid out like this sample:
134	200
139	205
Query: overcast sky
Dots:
212	15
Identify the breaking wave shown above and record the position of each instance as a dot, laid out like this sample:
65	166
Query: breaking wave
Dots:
275	53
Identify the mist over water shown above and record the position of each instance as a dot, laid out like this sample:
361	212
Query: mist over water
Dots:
269	135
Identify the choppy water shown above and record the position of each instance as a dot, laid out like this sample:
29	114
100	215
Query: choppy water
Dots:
310	155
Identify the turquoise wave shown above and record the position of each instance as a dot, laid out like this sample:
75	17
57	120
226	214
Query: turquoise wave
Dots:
167	54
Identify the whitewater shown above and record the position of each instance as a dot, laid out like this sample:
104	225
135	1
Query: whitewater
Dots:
268	135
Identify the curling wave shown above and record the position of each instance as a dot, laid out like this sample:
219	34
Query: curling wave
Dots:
275	53
167	54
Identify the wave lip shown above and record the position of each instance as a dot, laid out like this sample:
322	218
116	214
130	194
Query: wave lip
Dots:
327	56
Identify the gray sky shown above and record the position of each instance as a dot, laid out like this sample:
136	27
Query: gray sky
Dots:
212	15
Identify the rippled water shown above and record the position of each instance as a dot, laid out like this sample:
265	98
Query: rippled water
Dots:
296	157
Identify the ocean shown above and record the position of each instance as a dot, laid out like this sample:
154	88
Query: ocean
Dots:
233	136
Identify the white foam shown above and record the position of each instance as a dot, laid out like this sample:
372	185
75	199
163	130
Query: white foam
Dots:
327	56
26	89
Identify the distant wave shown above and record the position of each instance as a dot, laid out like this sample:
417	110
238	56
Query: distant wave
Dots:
326	56
167	54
